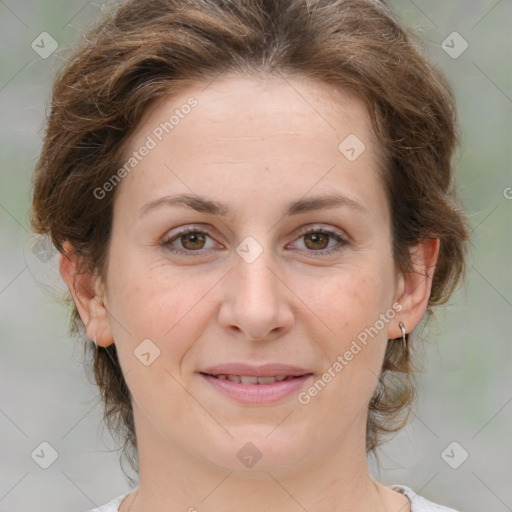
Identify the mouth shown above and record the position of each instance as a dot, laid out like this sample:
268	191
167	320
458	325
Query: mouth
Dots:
250	379
254	390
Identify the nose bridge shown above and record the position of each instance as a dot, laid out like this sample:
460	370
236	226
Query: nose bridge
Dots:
258	302
256	281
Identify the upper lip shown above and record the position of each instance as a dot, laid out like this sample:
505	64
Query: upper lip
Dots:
266	370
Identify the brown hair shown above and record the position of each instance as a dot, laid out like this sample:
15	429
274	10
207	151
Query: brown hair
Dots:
149	49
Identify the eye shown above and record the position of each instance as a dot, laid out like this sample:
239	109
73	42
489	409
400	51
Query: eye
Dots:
316	241
192	240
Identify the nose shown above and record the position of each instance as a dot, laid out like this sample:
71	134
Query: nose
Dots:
256	301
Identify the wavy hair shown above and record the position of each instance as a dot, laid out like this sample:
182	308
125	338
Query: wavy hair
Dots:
145	50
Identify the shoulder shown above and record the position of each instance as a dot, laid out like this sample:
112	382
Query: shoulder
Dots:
111	506
418	503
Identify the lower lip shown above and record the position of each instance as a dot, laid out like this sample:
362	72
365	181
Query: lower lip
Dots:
257	393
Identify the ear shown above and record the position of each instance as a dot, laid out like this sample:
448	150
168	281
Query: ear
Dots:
413	290
89	296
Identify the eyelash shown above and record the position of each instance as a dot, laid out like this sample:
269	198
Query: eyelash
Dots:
331	233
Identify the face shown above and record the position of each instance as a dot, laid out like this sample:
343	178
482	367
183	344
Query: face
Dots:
252	269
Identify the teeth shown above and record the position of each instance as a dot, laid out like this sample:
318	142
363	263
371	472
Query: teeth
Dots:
246	379
249	380
266	380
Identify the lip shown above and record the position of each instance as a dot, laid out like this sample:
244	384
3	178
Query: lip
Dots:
257	393
266	370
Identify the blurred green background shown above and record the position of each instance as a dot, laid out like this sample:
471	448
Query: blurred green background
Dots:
466	383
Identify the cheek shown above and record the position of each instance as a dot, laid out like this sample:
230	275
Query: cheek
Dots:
354	302
159	303
156	316
357	310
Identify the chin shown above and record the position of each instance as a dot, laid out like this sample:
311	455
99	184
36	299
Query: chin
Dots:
256	449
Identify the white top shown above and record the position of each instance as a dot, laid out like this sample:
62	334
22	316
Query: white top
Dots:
418	504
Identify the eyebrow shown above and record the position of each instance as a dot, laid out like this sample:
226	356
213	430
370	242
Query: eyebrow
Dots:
204	205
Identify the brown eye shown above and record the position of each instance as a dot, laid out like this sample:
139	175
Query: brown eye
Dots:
316	240
319	242
190	242
193	241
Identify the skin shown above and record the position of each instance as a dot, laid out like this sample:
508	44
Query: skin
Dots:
254	145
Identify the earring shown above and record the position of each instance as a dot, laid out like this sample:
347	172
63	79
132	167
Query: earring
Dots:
95	343
404	337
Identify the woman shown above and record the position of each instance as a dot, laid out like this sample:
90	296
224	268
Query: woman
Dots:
254	206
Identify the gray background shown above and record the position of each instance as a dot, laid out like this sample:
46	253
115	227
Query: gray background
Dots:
466	390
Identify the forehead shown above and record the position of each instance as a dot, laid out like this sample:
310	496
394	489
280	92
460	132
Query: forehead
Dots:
284	133
253	110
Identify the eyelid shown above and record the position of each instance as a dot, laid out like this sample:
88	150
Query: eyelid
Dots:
321	228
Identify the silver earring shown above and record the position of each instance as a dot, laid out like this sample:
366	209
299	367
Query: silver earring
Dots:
404	337
95	343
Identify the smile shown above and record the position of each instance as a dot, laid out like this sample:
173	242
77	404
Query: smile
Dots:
249	379
256	390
